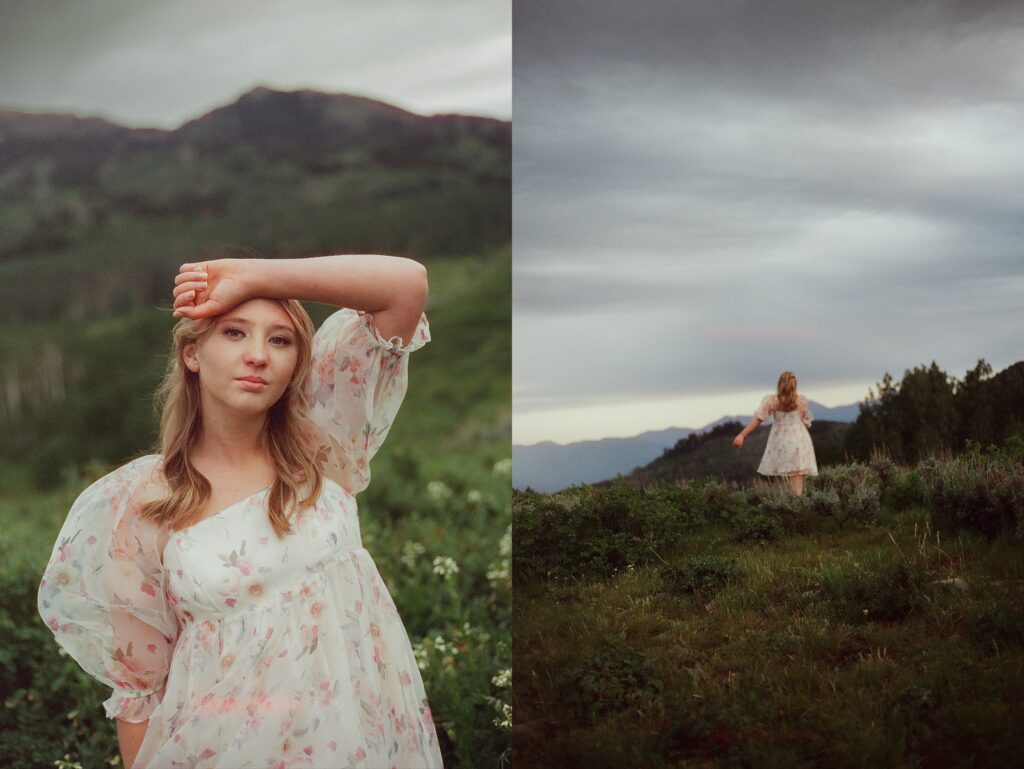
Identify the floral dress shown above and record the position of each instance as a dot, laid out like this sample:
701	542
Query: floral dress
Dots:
242	649
789	450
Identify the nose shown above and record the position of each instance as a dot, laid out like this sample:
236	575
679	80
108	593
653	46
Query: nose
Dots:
257	354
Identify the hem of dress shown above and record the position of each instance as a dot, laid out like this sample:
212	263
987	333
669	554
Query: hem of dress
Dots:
788	474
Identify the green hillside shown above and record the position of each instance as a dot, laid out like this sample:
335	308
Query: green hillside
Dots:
712	455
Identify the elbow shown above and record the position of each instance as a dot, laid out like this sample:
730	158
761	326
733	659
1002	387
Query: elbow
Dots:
417	286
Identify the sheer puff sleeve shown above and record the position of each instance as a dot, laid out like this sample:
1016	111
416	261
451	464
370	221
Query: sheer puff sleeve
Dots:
358	382
103	592
805	412
766	409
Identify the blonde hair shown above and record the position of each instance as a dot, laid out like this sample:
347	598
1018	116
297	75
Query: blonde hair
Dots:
178	400
787	398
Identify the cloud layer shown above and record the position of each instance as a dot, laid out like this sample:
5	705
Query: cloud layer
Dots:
709	193
160	64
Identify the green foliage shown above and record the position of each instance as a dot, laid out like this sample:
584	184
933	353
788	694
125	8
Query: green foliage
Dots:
841	494
829	628
701	574
929	412
51	707
1000	624
599	531
608	682
982	492
758	527
882	589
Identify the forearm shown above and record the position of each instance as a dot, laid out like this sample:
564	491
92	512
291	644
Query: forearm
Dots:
130	737
369	282
751	426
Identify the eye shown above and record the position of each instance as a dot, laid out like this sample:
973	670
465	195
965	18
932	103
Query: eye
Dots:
231	331
282	341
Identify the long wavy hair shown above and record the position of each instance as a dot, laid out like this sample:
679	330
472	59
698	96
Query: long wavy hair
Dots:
787	397
178	400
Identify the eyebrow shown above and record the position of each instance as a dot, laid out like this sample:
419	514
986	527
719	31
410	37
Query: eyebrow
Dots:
245	322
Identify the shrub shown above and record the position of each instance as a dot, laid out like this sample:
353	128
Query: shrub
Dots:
699	574
724	503
978	492
595	532
905	491
609	682
757	527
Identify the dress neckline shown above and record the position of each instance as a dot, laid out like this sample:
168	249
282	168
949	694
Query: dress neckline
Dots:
221	512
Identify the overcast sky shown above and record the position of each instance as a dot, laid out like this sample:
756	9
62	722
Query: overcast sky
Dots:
159	64
709	193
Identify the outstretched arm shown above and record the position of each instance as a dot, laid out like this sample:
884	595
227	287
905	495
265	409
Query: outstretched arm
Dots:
392	288
751	426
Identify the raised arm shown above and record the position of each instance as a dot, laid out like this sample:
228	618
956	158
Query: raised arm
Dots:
392	288
751	426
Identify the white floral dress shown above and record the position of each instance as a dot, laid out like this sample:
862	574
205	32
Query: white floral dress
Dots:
789	450
243	650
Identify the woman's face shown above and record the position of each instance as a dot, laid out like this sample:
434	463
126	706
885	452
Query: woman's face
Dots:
247	360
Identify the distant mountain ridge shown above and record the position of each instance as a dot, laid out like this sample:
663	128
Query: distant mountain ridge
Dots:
549	466
274	173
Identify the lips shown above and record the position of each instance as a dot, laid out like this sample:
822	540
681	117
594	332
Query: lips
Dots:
253	384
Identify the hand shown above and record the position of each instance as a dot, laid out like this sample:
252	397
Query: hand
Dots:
205	289
737	441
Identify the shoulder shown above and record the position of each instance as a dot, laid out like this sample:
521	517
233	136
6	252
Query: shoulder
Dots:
769	400
123	481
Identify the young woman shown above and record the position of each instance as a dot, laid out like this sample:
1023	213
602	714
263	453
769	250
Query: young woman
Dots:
220	586
789	451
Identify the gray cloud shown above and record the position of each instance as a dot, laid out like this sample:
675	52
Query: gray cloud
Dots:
160	64
845	174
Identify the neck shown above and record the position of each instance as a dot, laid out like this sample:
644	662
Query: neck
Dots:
232	438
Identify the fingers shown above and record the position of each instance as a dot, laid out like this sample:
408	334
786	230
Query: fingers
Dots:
190	275
189	267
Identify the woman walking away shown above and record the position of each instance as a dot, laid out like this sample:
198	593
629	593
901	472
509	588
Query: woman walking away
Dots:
219	584
789	452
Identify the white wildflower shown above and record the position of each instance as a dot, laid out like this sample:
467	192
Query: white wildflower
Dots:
504	719
503	467
445	566
438	491
503	679
411	551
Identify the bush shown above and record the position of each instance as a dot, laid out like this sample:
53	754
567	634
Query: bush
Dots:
757	527
609	682
699	574
907	490
595	532
978	492
51	707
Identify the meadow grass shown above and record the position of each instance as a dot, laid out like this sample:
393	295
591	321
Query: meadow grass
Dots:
834	648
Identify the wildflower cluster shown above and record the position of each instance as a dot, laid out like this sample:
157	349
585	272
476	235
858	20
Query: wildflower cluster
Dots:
445	566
